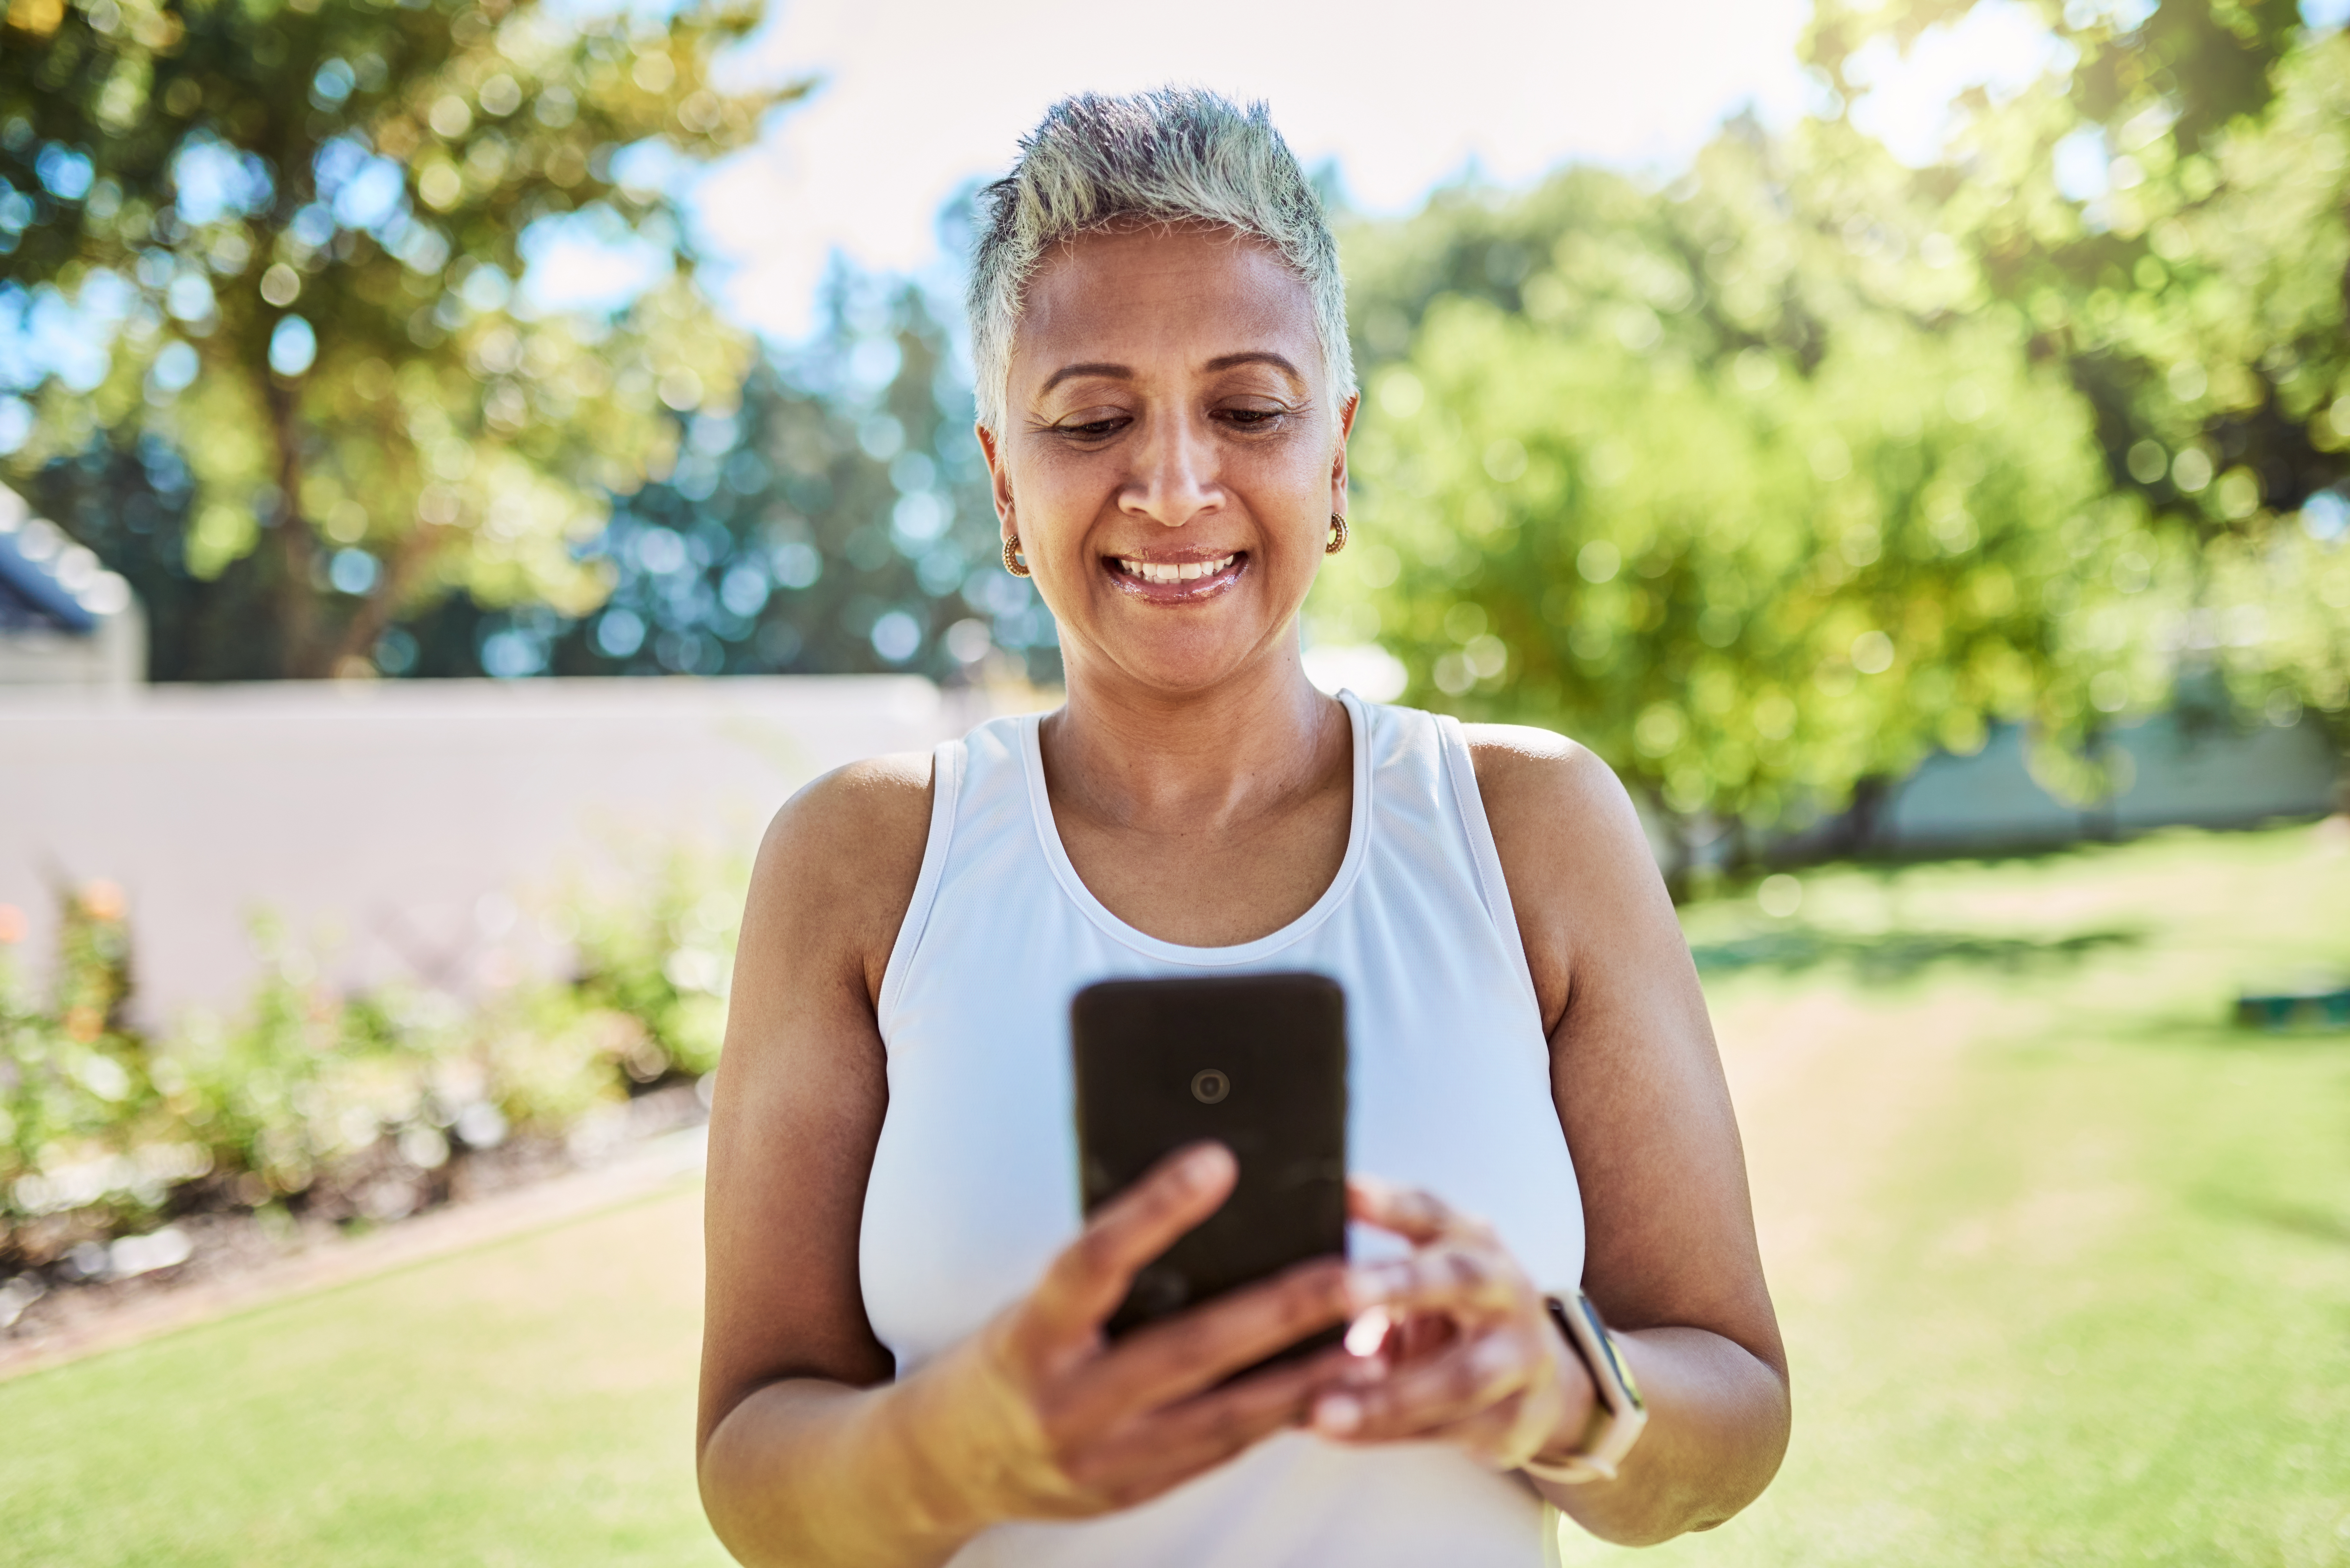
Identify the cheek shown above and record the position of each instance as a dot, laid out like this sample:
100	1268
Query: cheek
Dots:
1050	483
1291	477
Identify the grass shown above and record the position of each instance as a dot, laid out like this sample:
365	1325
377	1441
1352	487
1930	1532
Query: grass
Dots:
531	1402
2063	1258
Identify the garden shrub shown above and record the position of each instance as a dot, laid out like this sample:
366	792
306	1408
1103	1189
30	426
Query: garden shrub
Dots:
347	1105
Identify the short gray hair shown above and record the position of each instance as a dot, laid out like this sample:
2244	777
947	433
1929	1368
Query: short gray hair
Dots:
1178	155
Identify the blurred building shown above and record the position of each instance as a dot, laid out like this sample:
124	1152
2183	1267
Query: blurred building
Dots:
424	832
2169	774
65	620
2168	771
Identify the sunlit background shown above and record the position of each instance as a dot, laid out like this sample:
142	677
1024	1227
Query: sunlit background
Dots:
1909	439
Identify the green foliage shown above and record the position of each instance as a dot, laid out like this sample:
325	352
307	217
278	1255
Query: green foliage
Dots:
1768	481
1669	473
302	1080
665	959
2209	60
304	228
837	522
78	1108
2193	291
307	1093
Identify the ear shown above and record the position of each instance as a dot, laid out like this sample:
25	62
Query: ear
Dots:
1338	458
999	479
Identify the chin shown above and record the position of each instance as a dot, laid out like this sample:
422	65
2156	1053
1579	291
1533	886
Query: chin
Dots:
1194	662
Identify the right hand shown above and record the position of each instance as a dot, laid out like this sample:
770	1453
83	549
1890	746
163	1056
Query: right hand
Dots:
1037	1415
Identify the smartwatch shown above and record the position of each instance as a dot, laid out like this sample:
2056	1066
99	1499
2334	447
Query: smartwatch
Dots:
1621	1416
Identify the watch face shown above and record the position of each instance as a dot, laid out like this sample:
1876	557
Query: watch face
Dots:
1606	1341
1622	1372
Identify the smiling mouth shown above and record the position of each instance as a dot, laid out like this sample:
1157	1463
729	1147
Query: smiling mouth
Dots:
1173	573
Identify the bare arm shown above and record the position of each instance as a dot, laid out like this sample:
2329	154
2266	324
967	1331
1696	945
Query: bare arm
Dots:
809	1453
1469	1354
1671	1257
790	1366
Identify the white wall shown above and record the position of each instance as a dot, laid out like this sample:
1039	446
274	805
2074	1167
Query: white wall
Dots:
2219	779
425	822
111	658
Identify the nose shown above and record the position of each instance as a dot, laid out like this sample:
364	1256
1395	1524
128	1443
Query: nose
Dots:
1175	478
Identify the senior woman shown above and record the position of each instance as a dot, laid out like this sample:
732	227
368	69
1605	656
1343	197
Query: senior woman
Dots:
905	1360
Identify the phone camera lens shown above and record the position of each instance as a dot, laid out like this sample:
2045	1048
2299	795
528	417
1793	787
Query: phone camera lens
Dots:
1209	1086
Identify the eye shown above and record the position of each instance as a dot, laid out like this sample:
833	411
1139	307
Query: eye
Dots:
1100	427
1252	418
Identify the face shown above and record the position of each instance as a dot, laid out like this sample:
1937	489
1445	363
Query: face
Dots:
1170	454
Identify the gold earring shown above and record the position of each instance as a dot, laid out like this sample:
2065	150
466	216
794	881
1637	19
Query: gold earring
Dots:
1337	540
1013	562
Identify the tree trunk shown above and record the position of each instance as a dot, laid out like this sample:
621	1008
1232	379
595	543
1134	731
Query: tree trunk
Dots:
300	653
374	614
1863	818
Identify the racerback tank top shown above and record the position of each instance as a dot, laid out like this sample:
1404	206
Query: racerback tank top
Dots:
975	1180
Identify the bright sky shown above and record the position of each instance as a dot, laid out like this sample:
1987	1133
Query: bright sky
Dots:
919	95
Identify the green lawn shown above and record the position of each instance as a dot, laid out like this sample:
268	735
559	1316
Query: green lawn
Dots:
531	1402
2064	1260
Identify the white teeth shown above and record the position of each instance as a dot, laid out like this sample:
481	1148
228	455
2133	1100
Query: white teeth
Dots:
1174	571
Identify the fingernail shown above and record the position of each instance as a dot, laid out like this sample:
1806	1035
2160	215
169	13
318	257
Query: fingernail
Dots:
1368	1331
1337	1414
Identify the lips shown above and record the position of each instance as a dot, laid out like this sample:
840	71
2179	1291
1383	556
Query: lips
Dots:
1176	581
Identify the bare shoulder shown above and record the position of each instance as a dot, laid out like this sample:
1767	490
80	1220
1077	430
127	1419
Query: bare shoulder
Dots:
889	795
1582	878
845	852
1539	780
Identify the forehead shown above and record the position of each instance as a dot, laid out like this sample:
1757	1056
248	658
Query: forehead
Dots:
1156	295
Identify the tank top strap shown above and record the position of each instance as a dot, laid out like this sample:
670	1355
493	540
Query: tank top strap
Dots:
1484	858
947	768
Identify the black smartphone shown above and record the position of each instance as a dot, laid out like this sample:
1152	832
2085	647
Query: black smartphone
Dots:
1256	1062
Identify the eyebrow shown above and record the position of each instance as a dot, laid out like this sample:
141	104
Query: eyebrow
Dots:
1126	372
1095	367
1257	357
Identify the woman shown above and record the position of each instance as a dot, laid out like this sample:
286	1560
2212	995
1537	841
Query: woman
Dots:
904	1361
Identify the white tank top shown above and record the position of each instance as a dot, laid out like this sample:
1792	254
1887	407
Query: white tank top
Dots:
974	1180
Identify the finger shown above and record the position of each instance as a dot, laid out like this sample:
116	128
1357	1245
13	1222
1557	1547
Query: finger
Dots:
1409	1212
1449	1389
1084	1284
1465	1280
1379	1341
1196	1435
1179	1357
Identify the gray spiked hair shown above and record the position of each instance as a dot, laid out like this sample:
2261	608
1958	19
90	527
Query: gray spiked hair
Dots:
1175	155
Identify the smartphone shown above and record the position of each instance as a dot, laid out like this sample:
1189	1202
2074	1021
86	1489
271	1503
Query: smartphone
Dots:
1256	1062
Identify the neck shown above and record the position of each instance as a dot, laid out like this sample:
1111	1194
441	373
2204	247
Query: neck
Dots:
1183	763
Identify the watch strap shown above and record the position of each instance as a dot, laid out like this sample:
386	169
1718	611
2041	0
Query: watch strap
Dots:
1618	1396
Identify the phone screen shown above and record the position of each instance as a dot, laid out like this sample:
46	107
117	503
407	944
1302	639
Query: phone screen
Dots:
1257	1063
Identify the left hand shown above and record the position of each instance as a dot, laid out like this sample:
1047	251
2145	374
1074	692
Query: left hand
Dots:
1461	1346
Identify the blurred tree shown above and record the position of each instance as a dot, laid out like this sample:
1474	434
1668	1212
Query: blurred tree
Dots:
836	522
2168	207
274	252
1751	504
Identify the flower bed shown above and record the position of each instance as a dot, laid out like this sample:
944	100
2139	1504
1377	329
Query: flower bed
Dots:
119	1149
